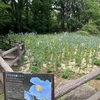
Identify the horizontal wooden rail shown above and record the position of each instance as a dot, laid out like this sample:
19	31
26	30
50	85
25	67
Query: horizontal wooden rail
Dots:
9	51
21	44
59	92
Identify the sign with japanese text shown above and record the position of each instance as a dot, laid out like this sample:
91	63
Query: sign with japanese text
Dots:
19	86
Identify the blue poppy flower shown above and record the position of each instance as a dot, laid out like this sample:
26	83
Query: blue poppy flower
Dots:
27	96
41	89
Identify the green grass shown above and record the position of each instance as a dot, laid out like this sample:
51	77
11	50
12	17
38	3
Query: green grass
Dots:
60	49
67	74
1	97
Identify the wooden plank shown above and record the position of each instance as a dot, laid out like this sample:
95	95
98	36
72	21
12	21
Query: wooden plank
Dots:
96	96
18	54
5	67
59	92
8	51
14	61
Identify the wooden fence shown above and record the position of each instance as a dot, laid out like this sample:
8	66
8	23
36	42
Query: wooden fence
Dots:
17	48
8	41
59	92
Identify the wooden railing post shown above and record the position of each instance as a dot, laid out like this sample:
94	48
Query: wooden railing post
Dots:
18	54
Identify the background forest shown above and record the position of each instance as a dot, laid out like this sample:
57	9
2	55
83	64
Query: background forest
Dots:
47	16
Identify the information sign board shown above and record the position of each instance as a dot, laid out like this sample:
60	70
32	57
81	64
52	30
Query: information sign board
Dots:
20	86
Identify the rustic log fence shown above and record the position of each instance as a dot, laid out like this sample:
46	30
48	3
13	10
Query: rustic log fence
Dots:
17	48
7	41
59	92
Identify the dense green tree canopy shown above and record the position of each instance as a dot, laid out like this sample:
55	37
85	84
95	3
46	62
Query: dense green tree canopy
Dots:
44	16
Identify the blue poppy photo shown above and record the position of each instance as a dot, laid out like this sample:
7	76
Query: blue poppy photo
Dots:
40	89
27	96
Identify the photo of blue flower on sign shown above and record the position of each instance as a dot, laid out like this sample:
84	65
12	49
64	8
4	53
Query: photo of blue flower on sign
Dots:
39	90
27	96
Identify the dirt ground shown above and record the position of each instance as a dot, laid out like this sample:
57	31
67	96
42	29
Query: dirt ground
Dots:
57	79
93	83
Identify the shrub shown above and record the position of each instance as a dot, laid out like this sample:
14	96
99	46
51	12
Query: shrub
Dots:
4	46
82	33
34	69
98	77
97	22
73	24
49	70
67	74
97	62
90	28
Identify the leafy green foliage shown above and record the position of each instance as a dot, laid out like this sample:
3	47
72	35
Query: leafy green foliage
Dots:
61	99
98	77
34	69
97	62
5	20
41	12
82	33
49	70
44	16
76	24
2	96
67	74
91	29
94	9
80	75
4	46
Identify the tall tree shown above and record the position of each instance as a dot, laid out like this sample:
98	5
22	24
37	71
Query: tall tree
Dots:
5	20
41	10
70	11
